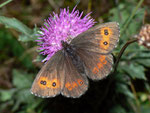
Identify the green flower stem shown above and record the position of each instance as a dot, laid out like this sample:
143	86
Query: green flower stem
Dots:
3	4
115	67
89	6
138	110
122	51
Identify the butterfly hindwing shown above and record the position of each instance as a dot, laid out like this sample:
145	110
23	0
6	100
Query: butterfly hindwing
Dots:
101	39
76	84
97	66
50	79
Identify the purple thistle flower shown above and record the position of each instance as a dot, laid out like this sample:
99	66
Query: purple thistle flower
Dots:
61	27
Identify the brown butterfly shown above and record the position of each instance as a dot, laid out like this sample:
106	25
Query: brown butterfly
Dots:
87	55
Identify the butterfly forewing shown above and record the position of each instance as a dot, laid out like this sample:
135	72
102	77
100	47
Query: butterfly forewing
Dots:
75	83
50	79
101	39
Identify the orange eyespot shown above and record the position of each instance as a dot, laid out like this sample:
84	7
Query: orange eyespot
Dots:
104	43
104	62
68	86
43	82
95	70
102	58
100	65
106	32
54	83
74	84
80	82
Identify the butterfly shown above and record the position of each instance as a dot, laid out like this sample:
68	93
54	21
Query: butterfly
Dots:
86	56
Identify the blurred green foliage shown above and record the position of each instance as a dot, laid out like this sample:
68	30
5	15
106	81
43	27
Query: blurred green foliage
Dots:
126	91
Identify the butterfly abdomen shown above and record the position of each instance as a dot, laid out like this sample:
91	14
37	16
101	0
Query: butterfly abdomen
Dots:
76	60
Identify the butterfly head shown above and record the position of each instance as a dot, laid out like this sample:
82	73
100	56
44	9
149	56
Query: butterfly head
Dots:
68	39
64	44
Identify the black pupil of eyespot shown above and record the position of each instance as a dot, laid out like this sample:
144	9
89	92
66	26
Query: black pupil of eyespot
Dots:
54	84
105	43
106	32
81	82
43	82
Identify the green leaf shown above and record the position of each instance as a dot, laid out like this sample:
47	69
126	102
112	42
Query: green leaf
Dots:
6	95
5	3
22	79
134	70
24	38
145	108
16	105
33	36
34	104
143	58
39	58
115	13
118	109
147	86
16	24
4	105
123	88
145	62
24	95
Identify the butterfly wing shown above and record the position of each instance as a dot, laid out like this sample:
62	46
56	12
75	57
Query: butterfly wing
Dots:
101	39
97	66
76	83
94	47
49	81
59	75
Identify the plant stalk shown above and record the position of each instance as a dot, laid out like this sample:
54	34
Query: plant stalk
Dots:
122	51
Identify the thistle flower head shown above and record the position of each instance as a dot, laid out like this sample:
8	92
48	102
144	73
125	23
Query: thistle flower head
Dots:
64	26
144	36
